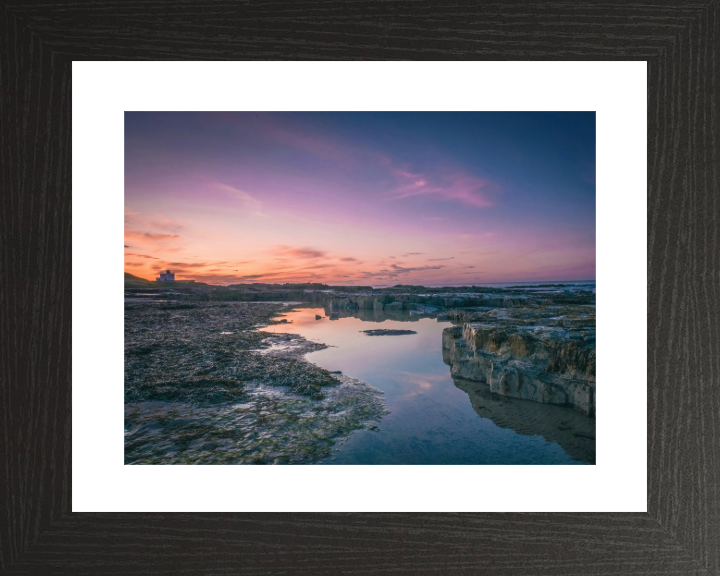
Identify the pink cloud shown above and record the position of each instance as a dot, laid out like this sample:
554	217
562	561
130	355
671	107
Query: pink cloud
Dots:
237	194
136	220
458	186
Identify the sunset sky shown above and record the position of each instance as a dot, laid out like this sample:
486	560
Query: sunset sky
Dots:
360	198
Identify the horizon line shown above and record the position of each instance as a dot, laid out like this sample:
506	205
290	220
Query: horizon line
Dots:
339	283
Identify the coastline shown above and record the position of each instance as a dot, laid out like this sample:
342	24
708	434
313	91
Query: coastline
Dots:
247	394
239	397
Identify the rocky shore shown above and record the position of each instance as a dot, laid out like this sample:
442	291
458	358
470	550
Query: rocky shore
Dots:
206	384
544	353
363	298
529	342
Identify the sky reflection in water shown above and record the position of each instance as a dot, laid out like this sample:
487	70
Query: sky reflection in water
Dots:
431	420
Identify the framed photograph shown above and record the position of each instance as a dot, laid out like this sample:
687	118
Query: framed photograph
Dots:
393	279
357	288
415	292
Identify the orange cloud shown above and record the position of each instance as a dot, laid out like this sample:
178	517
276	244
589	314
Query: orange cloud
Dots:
135	220
395	271
301	252
149	236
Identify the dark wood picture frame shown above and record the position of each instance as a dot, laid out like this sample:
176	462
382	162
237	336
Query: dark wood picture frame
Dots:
680	533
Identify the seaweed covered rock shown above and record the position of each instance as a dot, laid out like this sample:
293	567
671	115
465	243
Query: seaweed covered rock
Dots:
204	386
209	353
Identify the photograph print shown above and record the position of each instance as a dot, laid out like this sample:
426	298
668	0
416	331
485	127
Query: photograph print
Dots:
359	288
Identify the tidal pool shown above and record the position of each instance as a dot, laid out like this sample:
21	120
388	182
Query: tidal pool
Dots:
434	419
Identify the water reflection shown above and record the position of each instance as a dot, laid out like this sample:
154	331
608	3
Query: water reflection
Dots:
574	431
371	315
433	419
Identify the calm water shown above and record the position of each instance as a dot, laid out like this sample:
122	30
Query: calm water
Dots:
432	420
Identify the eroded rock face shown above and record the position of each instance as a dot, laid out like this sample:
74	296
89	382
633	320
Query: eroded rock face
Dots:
540	353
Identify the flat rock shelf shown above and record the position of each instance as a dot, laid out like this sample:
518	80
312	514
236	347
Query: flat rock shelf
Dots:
384	332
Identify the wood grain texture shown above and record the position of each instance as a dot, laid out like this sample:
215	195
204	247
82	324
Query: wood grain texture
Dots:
681	532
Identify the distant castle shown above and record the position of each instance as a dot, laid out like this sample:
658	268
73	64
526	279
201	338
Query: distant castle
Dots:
166	276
